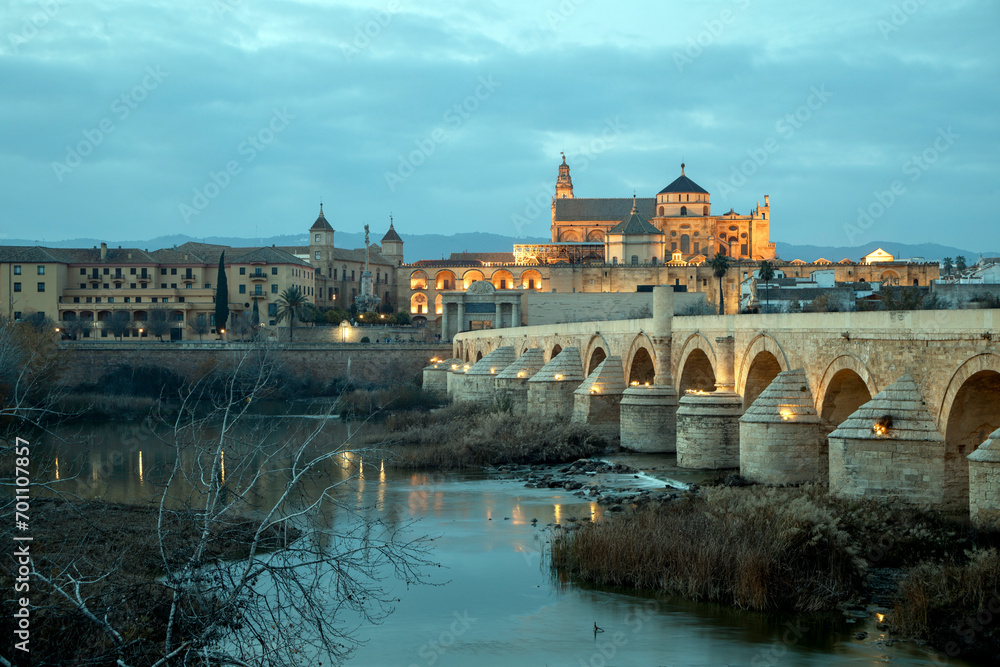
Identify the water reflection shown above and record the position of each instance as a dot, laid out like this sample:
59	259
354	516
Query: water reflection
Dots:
492	569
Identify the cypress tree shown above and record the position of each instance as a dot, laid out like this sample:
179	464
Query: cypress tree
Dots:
221	296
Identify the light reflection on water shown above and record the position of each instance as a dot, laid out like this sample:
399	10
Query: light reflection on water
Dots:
498	603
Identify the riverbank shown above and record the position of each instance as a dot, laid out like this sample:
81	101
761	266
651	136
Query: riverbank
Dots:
465	436
767	549
116	554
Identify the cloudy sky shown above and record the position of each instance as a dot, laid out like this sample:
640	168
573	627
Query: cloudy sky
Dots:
862	120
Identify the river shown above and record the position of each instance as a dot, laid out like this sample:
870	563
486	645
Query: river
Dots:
497	602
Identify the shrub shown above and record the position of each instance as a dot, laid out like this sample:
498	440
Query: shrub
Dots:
755	548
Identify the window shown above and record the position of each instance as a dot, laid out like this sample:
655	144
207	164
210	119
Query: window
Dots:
188	286
243	289
352	275
41	269
83	285
335	274
41	287
180	299
17	314
164	300
138	299
143	285
173	285
684	210
76	299
163	272
178	317
319	254
243	270
90	299
83	272
635	260
132	271
173	272
97	299
128	299
318	237
154	299
163	286
274	289
17	270
107	271
106	285
111	299
17	287
274	270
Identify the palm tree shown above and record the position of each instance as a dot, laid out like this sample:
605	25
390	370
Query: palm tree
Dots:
765	272
960	265
291	304
947	266
720	265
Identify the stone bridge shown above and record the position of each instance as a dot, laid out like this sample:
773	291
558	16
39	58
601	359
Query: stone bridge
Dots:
847	359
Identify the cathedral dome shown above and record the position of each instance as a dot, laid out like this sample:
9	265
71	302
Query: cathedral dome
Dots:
321	225
683	184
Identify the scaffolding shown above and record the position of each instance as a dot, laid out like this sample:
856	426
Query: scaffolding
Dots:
555	253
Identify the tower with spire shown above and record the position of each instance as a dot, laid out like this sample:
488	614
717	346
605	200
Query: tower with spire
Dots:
392	245
321	245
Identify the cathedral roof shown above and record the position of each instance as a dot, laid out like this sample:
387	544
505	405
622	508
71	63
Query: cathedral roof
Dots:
321	224
634	224
608	210
391	235
683	184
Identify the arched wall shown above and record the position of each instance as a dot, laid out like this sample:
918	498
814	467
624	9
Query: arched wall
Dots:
696	341
762	343
986	361
639	342
841	363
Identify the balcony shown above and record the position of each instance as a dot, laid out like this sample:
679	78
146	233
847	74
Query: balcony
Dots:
258	295
94	278
188	279
258	276
144	277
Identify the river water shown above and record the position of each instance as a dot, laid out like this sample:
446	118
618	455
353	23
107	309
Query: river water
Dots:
496	602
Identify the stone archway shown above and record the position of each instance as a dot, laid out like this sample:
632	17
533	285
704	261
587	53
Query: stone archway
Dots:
846	385
697	373
696	342
762	370
556	349
641	345
597	350
641	370
596	357
969	413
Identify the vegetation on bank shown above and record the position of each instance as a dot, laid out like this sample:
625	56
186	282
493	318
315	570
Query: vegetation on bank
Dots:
766	549
116	554
466	435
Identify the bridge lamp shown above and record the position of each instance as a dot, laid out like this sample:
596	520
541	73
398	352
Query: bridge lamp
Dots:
635	383
882	425
785	413
559	376
595	390
521	374
493	371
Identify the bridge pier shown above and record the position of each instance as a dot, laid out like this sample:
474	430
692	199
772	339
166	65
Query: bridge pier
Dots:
436	375
512	382
984	483
550	390
597	400
456	380
708	424
890	449
781	437
480	380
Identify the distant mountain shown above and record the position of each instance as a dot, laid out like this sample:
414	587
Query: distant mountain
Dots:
416	246
927	251
439	246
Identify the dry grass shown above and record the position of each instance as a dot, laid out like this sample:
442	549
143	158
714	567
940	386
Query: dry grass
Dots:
467	436
93	539
955	606
756	548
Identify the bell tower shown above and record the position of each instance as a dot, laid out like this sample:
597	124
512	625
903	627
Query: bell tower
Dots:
564	184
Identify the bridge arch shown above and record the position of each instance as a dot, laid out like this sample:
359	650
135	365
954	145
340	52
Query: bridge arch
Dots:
970	411
556	349
697	373
846	385
760	363
596	351
696	342
640	362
